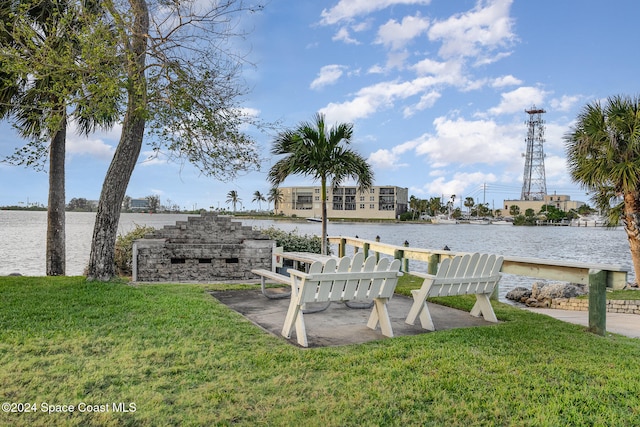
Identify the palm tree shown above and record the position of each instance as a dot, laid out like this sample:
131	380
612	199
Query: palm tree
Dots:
40	99
603	152
468	203
258	197
233	198
275	196
314	150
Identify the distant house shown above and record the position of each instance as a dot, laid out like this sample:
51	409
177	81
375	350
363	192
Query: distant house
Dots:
559	201
140	204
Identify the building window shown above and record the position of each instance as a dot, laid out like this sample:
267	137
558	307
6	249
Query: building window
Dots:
372	206
361	205
372	198
362	198
317	190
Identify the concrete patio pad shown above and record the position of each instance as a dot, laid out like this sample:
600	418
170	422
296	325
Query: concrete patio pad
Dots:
339	325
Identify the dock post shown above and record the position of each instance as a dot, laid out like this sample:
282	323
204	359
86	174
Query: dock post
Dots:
365	249
432	267
598	302
406	260
342	248
377	253
399	254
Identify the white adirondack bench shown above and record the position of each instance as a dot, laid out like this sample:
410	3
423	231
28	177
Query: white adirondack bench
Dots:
345	280
461	275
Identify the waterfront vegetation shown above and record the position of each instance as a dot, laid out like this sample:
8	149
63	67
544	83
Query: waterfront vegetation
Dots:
185	359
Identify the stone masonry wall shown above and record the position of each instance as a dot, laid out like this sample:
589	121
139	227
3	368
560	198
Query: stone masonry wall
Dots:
202	249
613	306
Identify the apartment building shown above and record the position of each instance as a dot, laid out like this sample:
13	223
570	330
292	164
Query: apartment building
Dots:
379	202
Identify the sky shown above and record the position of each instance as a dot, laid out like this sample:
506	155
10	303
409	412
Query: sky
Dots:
436	90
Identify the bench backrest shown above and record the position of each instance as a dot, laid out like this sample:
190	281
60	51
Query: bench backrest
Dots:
350	279
467	274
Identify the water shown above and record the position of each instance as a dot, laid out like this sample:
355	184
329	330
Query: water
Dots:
23	240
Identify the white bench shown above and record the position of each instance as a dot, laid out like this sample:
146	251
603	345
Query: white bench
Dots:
344	280
272	275
461	275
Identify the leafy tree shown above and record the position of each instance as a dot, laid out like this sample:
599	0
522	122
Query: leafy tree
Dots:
314	150
49	70
233	198
603	152
514	210
154	203
182	85
258	197
78	204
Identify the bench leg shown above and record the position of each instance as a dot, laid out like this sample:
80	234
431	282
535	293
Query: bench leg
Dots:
420	310
295	316
380	314
272	295
483	307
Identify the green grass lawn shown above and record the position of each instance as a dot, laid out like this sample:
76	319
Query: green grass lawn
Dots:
184	359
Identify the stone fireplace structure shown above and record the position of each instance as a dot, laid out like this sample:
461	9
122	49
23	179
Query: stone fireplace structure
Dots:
202	249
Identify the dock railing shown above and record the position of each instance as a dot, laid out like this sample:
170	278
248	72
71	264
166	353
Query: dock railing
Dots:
597	276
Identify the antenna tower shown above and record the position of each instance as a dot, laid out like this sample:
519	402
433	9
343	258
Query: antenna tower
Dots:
534	186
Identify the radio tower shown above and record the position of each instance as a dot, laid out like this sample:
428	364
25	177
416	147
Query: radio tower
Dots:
534	186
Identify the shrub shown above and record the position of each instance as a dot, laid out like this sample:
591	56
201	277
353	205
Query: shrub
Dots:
292	241
124	249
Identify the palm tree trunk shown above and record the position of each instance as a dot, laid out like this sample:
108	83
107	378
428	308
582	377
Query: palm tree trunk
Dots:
101	259
631	219
56	249
323	245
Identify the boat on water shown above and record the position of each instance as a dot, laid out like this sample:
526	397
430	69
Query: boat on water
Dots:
442	219
502	221
314	219
480	221
589	221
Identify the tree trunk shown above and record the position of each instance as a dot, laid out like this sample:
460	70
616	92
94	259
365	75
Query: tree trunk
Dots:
323	188
56	249
101	259
631	218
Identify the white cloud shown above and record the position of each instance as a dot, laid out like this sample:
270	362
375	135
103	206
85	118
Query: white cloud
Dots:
470	142
519	100
396	35
389	159
506	81
382	95
565	103
329	74
346	10
426	101
100	144
344	36
476	33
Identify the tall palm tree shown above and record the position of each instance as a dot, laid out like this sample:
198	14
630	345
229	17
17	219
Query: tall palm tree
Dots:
258	197
603	152
314	150
468	203
39	97
233	198
275	196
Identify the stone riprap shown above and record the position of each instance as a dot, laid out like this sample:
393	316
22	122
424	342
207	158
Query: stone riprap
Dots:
205	248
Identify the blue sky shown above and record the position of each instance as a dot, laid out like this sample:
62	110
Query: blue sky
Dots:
436	89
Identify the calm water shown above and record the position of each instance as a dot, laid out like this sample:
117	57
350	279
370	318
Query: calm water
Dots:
23	234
